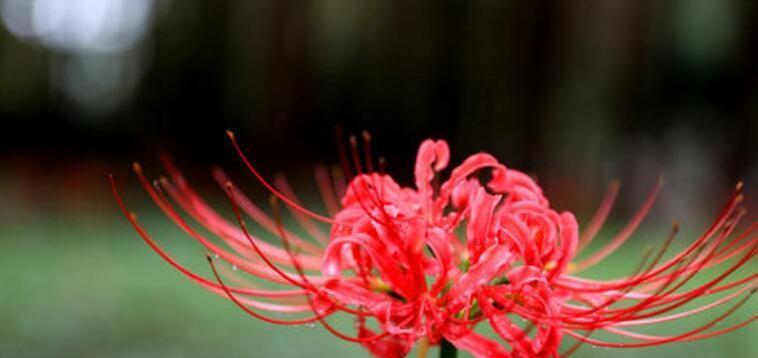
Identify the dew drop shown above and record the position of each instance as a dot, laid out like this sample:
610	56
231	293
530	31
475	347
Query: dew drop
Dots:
215	256
234	267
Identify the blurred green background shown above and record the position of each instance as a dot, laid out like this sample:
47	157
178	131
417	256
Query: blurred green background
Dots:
575	92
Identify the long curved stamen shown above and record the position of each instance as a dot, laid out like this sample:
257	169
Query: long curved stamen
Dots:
283	185
587	286
690	334
367	151
326	189
271	188
259	216
625	233
600	215
342	153
251	312
131	217
639	272
208	218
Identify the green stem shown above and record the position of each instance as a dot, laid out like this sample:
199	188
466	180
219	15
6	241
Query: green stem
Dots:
447	349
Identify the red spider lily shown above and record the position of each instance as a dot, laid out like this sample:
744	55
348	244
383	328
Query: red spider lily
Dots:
397	259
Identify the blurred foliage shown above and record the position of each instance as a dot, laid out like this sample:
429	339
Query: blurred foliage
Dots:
555	86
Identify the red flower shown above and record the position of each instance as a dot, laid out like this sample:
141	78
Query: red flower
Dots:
432	262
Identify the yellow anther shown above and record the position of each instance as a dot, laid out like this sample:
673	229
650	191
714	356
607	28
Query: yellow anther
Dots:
377	284
550	266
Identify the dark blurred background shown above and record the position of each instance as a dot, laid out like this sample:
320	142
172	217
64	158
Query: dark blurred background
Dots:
575	92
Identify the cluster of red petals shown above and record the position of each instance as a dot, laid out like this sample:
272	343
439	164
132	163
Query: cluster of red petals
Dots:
431	262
